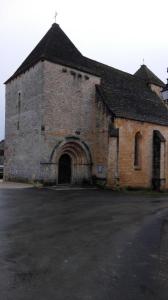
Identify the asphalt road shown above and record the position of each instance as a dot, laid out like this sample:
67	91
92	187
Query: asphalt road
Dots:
83	244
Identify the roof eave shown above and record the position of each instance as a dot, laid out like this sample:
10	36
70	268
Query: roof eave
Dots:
56	61
118	116
157	84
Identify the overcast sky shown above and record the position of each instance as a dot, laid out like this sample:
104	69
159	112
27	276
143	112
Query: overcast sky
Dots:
120	33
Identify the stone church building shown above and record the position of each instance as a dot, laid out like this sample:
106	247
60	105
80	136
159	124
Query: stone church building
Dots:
72	120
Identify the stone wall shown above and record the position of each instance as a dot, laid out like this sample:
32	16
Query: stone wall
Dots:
68	111
101	148
156	89
129	175
56	103
23	125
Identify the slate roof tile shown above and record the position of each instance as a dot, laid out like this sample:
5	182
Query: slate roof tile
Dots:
146	74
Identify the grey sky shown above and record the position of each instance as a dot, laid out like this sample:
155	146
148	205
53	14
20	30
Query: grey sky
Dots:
119	33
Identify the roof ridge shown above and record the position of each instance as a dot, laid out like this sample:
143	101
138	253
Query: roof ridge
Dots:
110	67
54	45
46	44
149	71
146	74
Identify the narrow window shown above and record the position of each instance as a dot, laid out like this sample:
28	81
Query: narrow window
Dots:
19	108
42	128
137	150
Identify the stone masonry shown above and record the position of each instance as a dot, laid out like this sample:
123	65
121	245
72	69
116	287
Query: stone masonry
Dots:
72	120
56	103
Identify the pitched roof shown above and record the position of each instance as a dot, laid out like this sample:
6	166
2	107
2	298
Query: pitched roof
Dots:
55	46
126	95
146	74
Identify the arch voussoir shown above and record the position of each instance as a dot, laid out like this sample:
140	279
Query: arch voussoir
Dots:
80	158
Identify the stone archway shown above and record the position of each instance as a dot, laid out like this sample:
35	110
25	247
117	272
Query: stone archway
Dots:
80	158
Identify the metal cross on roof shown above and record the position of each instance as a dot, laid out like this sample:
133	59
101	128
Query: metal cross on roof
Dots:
55	16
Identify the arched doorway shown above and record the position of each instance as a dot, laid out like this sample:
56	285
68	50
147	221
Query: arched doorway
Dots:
73	162
158	160
64	169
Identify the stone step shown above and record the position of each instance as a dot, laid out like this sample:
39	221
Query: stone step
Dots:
63	187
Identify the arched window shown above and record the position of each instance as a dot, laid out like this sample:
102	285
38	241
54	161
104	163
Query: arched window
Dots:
137	150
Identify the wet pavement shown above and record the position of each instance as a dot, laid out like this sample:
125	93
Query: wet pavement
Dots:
83	244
